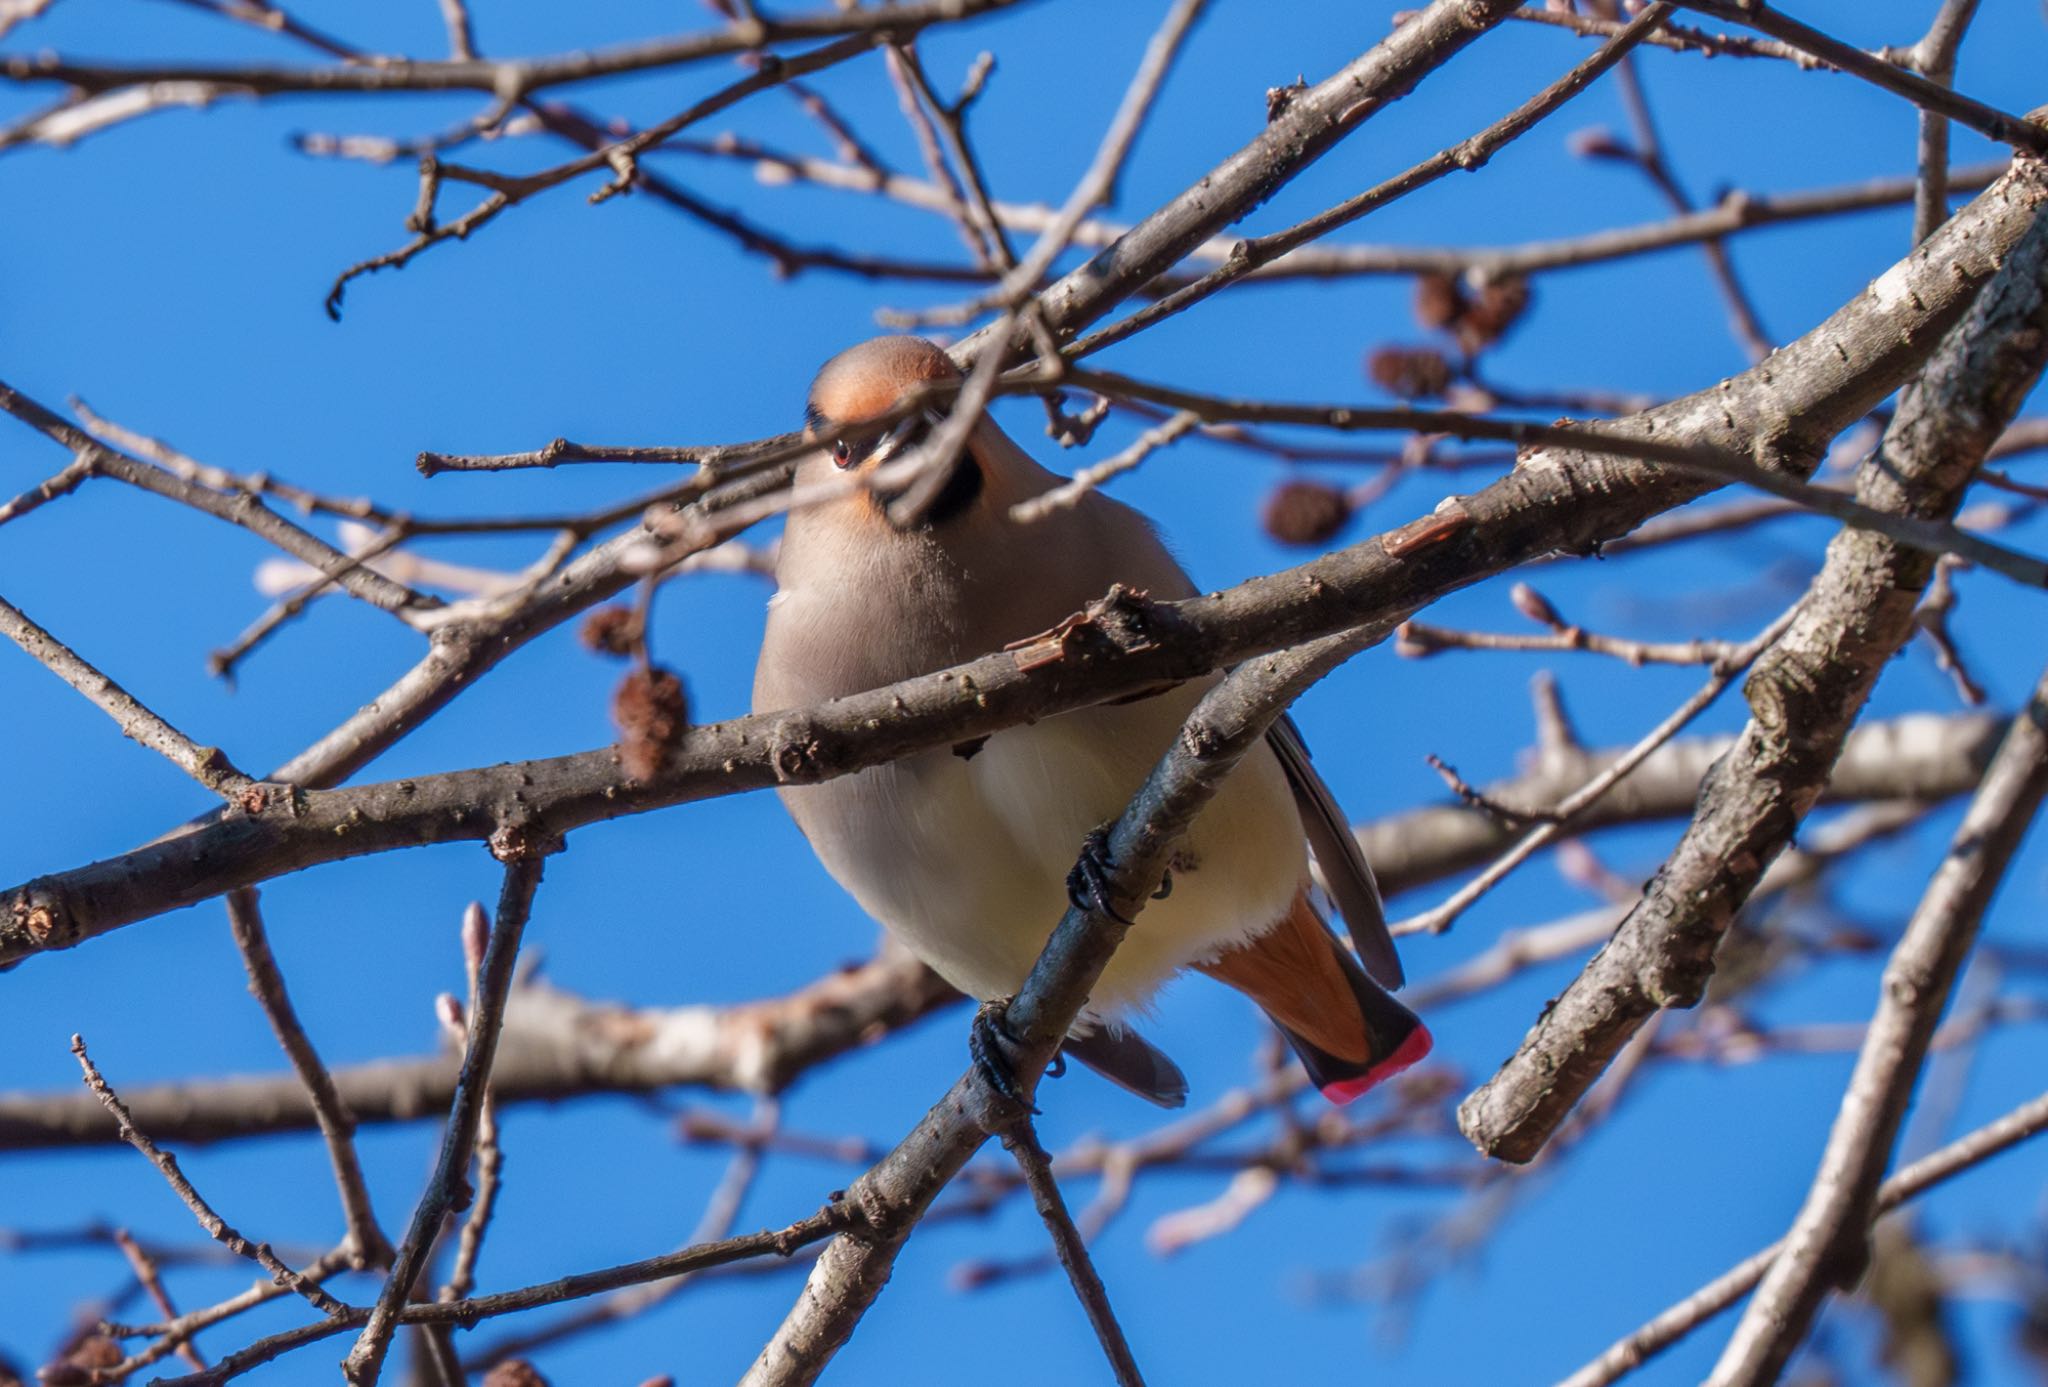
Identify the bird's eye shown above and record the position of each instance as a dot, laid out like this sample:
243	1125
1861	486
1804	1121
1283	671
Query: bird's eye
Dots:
842	452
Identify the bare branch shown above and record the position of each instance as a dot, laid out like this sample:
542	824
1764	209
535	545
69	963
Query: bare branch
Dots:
448	1187
216	1227
515	78
1091	477
241	509
1857	612
1097	184
1246	257
365	1242
208	765
1934	58
2019	132
1440	918
1021	1141
1626	1355
557	1046
1829	1240
1556	500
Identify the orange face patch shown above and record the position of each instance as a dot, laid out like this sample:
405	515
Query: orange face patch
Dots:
867	380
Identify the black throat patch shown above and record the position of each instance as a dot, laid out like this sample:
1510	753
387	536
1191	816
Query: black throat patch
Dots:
959	492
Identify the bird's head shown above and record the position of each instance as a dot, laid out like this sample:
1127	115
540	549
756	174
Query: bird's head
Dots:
866	382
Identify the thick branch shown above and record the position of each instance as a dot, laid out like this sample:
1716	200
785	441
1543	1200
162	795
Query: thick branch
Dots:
896	1192
1829	1238
1804	695
554	1046
1781	415
559	1046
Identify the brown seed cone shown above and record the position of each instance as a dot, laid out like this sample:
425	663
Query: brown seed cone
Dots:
611	631
1412	373
652	713
1299	512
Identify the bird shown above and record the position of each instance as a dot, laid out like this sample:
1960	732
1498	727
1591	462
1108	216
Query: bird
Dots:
965	853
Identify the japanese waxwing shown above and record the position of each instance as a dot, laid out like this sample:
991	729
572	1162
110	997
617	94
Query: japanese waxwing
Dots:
964	853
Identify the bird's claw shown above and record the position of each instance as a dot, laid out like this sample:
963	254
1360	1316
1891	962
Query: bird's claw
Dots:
1088	882
991	1046
1165	887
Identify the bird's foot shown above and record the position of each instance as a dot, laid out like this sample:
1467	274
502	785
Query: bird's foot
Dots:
1088	882
992	1046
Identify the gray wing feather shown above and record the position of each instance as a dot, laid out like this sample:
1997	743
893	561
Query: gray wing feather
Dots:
1128	1060
1347	876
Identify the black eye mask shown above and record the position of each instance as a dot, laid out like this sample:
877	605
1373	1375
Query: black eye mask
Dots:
960	489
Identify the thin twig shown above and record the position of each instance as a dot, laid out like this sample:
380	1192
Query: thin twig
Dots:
1097	184
490	1158
208	765
216	1227
1676	37
914	95
461	35
172	1333
1439	918
153	1286
447	1188
1630	1353
237	509
1088	478
365	1241
721	1211
1934	58
779	1242
525	76
1021	1141
1648	155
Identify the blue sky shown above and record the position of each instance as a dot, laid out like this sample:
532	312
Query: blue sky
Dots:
171	272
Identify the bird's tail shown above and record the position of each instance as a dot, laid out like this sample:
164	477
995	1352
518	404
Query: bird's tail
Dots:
1349	1032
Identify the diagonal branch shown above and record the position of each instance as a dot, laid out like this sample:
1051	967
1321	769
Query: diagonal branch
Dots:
1021	1141
894	1194
1097	184
2019	132
239	508
1829	1240
1782	414
1966	1152
1247	257
216	1227
448	1187
1804	695
208	765
365	1242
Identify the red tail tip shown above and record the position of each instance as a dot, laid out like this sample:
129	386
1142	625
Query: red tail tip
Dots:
1408	1052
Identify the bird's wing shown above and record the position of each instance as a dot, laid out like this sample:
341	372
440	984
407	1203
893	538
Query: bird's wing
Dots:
1128	1060
1347	876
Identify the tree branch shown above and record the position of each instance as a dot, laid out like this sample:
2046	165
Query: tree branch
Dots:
448	1187
1783	412
896	1192
1829	1240
1628	1354
1804	695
